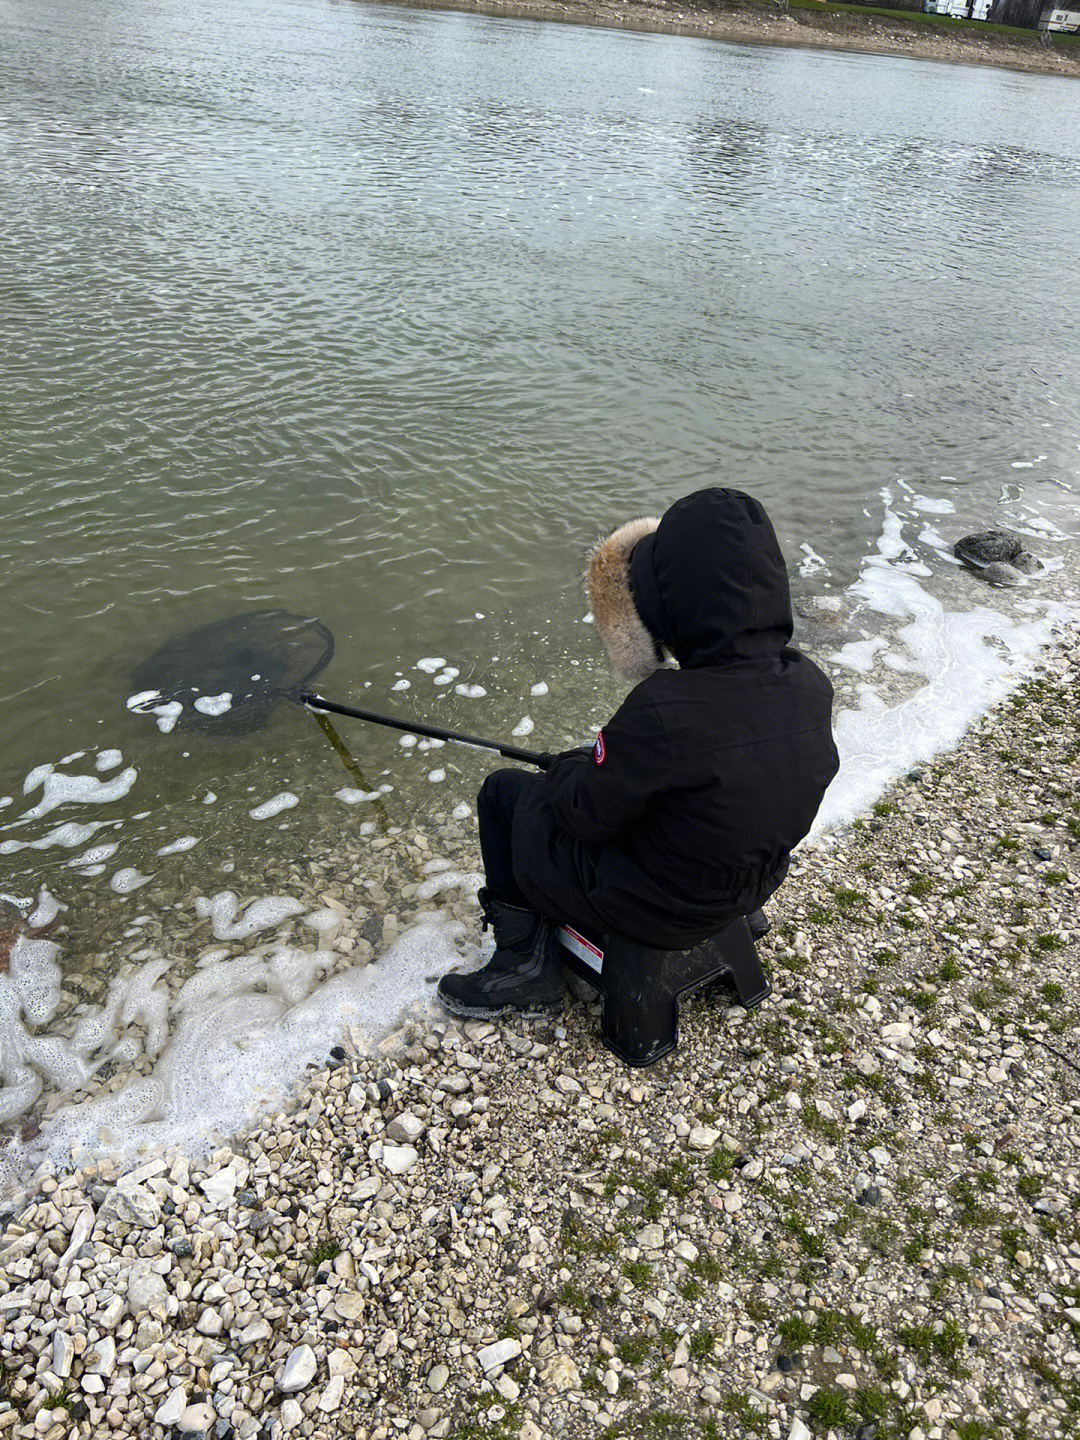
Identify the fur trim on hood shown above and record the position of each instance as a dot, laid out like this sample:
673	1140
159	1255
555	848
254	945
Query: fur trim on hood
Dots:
634	652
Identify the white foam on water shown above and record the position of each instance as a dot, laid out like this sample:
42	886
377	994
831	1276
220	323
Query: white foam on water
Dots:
436	776
5	801
168	715
227	923
94	857
70	759
524	727
540	688
859	654
128	880
214	704
461	812
402	685
35	777
67	836
812	563
140	701
470	692
209	798
46	909
932	505
407	742
431	664
80	790
236	1040
431	744
356	797
447	675
970	659
323	920
274	806
108	760
180	846
929	536
468	880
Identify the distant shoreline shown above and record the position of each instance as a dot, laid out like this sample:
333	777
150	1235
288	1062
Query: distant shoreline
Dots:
765	24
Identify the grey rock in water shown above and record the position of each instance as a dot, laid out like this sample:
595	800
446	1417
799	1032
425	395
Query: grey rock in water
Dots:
988	547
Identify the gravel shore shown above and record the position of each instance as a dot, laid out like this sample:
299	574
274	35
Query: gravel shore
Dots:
744	22
855	1212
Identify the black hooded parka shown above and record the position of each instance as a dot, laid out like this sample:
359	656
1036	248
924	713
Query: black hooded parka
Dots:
685	812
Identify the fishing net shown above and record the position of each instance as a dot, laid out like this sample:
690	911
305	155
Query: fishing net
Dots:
227	676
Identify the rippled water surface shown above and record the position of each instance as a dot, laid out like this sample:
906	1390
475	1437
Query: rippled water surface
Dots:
381	315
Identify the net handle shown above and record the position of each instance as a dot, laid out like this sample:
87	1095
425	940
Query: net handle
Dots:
415	727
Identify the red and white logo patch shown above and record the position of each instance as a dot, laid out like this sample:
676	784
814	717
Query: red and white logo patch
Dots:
600	749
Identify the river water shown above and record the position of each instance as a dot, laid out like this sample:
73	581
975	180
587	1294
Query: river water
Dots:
382	315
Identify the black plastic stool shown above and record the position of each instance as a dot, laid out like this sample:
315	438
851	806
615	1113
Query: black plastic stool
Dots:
641	987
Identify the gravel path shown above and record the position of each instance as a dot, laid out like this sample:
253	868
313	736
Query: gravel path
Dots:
855	1212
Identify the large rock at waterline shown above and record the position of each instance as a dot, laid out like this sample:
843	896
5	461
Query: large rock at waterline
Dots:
989	547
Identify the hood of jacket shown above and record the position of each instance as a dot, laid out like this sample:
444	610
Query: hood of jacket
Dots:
708	582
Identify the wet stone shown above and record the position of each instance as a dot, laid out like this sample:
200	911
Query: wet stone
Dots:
988	547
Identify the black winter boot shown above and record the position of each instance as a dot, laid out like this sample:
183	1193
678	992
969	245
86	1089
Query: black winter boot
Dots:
759	924
523	974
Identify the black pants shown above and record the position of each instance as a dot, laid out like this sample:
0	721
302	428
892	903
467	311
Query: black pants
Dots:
495	807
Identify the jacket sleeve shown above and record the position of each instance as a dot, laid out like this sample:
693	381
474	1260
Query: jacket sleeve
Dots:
598	792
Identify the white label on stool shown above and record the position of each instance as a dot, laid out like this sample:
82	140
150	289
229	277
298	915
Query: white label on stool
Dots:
584	949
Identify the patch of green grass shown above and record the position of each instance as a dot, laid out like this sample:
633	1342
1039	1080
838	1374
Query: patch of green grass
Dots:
633	1350
882	807
721	1163
57	1399
950	970
794	1332
1048	942
870	1402
1055	877
817	915
573	1297
847	900
639	1273
1006	842
920	885
973	1212
744	1410
676	1178
809	1243
661	1423
706	1267
944	1341
328	1249
702	1344
828	1407
829	1327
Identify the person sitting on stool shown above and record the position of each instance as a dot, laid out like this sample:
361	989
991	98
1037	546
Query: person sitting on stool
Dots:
684	813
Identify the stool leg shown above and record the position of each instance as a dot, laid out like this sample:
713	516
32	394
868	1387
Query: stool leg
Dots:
639	1019
739	952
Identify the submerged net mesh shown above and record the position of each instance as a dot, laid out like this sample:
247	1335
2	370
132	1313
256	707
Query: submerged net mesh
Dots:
251	659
